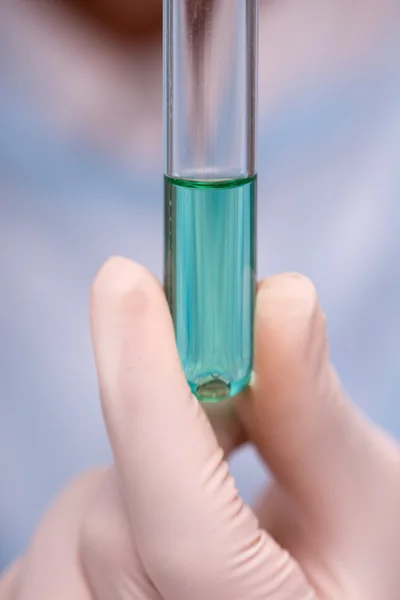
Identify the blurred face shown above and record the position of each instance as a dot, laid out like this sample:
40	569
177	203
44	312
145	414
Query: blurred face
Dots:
129	20
125	19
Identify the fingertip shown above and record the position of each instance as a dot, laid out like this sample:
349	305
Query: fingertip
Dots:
132	334
290	330
288	296
116	275
122	283
292	363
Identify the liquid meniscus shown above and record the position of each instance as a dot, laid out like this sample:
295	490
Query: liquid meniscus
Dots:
210	280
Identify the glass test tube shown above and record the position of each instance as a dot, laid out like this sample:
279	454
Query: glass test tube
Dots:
210	89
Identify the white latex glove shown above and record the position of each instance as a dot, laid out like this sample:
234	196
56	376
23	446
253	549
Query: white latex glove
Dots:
166	523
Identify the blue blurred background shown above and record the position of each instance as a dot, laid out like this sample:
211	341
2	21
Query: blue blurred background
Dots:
81	179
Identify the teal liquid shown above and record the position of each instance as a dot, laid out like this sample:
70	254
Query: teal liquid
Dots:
210	280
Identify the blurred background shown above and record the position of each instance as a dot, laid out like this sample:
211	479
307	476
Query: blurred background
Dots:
81	179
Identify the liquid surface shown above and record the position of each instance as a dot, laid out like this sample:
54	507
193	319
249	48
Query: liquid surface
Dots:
210	280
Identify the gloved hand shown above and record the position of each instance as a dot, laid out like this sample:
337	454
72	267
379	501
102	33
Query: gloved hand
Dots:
167	522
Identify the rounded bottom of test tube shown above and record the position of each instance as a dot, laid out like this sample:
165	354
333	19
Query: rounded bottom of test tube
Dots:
215	389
